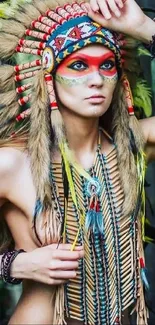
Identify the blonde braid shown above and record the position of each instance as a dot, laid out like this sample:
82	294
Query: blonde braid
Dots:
126	159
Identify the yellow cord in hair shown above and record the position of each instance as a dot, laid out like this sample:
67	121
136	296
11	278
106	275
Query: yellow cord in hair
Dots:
141	168
73	194
65	221
69	175
69	160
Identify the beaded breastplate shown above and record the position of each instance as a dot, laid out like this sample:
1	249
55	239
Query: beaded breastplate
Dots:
106	282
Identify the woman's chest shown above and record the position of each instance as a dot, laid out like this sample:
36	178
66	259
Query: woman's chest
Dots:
92	210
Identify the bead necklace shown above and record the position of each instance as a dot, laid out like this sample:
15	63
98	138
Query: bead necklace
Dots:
106	279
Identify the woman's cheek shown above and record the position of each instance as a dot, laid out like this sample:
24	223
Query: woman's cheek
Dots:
110	78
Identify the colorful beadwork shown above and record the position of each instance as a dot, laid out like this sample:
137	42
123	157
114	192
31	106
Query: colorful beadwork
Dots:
77	33
106	279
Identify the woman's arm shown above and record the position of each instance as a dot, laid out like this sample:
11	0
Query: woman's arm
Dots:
47	264
123	16
51	264
127	17
148	128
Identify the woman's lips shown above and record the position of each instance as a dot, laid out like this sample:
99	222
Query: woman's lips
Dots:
96	99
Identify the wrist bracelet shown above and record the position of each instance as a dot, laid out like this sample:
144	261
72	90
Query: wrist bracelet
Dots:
151	47
7	259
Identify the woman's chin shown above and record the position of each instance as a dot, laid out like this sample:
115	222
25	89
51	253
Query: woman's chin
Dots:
96	111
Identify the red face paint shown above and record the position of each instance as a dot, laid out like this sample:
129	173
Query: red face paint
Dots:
79	65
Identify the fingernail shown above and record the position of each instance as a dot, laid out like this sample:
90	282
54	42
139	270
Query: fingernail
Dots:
107	16
96	9
120	5
117	13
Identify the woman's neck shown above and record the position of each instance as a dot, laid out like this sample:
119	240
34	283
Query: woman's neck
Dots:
82	136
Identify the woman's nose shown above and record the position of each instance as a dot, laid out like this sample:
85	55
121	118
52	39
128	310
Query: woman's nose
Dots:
95	79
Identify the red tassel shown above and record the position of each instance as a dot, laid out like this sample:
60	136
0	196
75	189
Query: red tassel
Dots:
97	207
128	95
142	264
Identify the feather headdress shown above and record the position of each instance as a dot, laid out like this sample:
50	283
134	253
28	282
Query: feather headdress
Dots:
33	41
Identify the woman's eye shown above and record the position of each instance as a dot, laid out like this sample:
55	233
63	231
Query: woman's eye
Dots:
79	66
107	65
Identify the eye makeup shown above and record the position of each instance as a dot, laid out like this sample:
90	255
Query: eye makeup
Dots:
82	66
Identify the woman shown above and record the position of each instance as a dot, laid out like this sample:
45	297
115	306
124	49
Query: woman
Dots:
87	199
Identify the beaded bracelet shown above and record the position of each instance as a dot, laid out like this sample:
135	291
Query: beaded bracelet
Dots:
151	47
7	259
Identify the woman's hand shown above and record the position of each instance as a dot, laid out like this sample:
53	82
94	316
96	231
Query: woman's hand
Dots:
49	264
122	16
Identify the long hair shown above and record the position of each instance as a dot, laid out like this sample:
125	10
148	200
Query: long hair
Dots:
128	142
25	123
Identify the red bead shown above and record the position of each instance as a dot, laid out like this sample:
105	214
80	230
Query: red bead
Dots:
142	265
21	41
16	68
18	48
17	78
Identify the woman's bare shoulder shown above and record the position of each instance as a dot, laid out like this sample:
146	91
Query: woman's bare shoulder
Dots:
11	162
11	159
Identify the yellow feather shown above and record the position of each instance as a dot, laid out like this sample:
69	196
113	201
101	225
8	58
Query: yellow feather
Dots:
66	153
141	169
69	175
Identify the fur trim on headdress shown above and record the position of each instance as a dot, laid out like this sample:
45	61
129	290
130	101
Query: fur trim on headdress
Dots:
130	145
126	160
7	74
39	140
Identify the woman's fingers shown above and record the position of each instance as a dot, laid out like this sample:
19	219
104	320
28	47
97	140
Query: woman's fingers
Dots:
57	282
62	275
64	247
94	5
120	4
108	8
113	7
63	265
67	255
103	7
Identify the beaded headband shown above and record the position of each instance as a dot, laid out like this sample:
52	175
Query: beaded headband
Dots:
74	35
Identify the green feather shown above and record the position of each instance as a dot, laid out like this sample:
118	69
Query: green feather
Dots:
143	51
142	97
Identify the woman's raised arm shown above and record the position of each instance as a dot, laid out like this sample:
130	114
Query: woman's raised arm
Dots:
123	16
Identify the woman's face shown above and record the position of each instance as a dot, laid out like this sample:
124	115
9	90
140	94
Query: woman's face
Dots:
85	81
